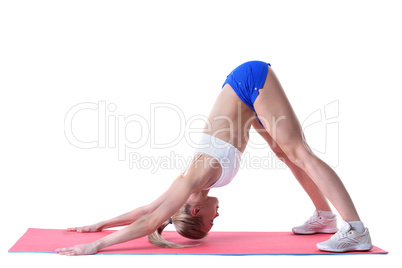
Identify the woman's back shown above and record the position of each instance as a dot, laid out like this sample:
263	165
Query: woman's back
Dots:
230	119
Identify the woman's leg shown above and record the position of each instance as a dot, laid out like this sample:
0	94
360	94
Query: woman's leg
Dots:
276	113
318	198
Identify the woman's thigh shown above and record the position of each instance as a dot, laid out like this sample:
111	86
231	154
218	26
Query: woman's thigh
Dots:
277	115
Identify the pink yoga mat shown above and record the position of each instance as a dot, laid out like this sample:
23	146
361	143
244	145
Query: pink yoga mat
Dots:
216	243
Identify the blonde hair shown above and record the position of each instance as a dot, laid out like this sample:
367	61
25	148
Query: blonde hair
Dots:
186	225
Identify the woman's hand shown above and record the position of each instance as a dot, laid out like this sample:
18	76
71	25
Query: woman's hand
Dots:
86	229
86	249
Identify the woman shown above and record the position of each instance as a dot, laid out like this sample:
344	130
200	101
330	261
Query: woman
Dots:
251	95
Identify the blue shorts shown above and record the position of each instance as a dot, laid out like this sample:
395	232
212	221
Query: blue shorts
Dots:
247	79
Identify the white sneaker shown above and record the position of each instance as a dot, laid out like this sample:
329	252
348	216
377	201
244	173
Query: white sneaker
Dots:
316	225
347	240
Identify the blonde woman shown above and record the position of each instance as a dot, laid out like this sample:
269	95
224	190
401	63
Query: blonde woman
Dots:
251	96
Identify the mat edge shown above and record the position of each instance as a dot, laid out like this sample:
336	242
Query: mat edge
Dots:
210	254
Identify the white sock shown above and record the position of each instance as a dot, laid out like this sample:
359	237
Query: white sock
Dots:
325	214
358	226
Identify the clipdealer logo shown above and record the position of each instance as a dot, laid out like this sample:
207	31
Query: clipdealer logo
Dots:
112	133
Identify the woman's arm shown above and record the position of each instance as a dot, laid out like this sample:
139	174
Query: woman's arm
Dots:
124	219
163	208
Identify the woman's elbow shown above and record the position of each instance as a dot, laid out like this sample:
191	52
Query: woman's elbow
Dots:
149	224
145	210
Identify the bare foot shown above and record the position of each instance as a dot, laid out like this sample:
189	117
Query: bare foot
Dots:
85	229
86	249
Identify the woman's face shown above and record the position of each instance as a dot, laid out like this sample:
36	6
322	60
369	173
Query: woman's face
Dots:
209	211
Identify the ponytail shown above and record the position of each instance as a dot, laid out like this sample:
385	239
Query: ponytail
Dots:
186	225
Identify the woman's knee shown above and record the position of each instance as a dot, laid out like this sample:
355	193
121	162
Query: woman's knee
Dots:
300	154
280	154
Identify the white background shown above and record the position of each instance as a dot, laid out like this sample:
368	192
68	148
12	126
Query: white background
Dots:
57	54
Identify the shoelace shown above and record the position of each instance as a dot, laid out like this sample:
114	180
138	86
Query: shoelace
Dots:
341	233
313	218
